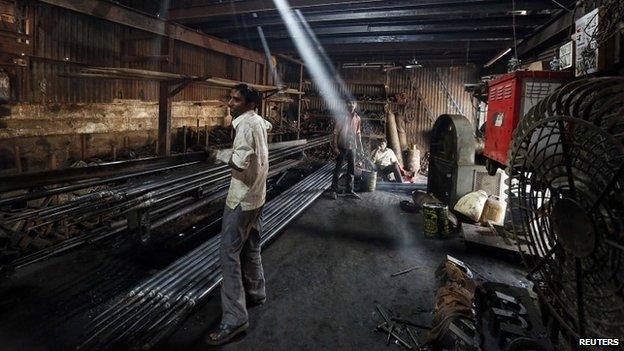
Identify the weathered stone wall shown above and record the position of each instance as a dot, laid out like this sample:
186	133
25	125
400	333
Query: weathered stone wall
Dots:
51	135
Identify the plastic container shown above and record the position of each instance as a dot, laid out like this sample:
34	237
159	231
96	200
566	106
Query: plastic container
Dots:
413	159
493	211
471	205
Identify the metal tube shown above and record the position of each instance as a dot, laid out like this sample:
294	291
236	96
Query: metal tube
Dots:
190	279
89	184
178	317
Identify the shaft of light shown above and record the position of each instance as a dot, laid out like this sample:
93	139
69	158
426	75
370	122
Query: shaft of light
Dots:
321	77
267	52
323	54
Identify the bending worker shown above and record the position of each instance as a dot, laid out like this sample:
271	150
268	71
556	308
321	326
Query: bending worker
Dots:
241	265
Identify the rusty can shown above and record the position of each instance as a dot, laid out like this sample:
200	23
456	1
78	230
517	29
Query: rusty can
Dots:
435	220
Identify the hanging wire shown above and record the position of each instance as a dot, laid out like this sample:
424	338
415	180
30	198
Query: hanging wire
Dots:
611	15
560	5
513	23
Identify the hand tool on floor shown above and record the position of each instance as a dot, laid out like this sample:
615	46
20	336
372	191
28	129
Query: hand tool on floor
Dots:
384	327
408	322
410	332
388	326
405	271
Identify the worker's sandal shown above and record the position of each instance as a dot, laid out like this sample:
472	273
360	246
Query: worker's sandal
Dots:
225	333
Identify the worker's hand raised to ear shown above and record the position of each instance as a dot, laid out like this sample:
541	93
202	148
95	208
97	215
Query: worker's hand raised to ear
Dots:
336	150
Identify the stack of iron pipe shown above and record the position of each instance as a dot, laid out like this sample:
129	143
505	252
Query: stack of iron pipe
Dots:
168	196
160	216
154	308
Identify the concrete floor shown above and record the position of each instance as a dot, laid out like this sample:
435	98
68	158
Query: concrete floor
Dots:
331	266
325	273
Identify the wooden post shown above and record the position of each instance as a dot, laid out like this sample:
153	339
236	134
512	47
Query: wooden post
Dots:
18	158
197	130
263	108
114	151
299	101
164	120
83	146
184	137
164	101
53	162
206	132
281	112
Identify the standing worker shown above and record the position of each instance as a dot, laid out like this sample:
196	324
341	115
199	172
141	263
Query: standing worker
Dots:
347	139
241	265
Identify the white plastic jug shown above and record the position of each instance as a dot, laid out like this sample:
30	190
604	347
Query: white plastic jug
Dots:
494	211
471	205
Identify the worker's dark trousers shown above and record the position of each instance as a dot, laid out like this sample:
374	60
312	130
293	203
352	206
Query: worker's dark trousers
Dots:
240	263
394	169
347	155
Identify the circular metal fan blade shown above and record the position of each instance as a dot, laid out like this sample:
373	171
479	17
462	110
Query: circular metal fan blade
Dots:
567	200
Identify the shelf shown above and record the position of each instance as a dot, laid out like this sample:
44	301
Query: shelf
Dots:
140	74
364	83
372	102
373	136
279	99
358	101
373	119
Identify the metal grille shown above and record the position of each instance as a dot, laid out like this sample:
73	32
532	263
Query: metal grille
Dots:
490	184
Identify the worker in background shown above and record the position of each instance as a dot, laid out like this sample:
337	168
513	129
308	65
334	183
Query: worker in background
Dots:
347	140
386	162
241	265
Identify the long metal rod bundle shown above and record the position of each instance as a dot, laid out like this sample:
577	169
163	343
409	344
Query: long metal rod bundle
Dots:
209	248
296	206
153	309
173	211
183	180
179	186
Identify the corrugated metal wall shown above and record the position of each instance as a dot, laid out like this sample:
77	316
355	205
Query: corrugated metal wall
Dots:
65	41
430	92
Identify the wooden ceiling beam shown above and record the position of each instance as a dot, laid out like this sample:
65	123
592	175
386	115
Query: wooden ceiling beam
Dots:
138	20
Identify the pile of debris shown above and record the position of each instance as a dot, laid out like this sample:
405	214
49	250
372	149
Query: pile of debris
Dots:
470	314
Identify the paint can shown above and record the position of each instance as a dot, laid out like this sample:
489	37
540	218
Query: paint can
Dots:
369	180
435	220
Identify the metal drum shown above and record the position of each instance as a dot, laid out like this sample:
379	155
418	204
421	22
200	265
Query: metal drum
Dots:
435	220
369	180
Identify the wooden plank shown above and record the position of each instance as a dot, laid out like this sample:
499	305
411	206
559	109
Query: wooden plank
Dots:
131	73
134	19
11	45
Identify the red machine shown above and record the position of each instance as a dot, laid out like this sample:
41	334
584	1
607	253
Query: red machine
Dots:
509	97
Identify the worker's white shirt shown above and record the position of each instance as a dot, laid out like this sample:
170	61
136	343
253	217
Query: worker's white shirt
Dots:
250	152
384	158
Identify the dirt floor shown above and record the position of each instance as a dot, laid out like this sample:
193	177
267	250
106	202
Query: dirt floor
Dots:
325	273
